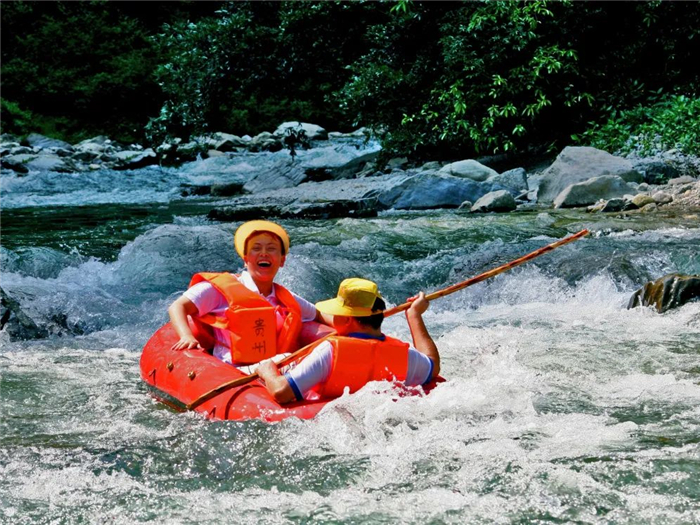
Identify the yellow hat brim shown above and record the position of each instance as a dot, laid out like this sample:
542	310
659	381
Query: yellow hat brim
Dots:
335	307
247	229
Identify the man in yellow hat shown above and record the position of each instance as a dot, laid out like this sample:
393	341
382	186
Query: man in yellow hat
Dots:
248	317
360	352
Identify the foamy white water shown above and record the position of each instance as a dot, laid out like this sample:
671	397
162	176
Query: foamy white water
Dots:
560	405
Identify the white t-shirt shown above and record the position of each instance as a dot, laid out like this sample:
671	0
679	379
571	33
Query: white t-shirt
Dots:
316	368
209	300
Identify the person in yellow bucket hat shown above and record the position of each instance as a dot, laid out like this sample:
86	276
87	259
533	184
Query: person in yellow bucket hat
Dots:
360	352
248	317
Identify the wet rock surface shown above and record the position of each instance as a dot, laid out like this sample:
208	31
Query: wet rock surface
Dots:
495	201
575	165
670	291
579	176
14	321
591	190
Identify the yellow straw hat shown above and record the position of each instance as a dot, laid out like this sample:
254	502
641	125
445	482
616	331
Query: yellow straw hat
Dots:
355	299
249	228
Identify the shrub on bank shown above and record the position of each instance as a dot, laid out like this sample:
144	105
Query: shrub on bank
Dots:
671	123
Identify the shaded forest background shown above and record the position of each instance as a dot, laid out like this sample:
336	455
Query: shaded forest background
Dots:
437	79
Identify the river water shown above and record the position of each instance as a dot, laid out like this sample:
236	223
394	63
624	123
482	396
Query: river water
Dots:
561	406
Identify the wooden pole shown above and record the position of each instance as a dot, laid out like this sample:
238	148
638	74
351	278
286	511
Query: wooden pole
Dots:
396	309
491	273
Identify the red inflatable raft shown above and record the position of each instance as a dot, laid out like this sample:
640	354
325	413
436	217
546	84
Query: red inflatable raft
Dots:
178	378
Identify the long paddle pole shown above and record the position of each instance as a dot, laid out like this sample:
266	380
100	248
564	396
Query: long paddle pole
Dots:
491	273
396	309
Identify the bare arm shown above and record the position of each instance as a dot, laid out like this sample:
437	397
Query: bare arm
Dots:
178	312
421	338
276	385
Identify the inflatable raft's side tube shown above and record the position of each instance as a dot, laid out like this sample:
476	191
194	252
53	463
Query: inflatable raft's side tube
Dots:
180	377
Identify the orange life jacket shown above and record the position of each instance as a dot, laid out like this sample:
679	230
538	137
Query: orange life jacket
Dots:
356	362
251	321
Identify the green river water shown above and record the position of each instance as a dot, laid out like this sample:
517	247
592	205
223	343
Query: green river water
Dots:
561	405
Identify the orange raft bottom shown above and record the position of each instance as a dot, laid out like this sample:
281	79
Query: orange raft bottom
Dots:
179	377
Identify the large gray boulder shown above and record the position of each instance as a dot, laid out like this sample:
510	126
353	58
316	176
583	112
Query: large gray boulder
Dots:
15	322
265	141
17	163
591	191
495	201
222	142
98	144
344	170
38	162
130	160
656	171
282	174
670	291
51	162
36	140
313	131
13	148
468	169
578	164
515	181
434	190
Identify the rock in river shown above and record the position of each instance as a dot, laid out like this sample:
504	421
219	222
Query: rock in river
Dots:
670	291
578	164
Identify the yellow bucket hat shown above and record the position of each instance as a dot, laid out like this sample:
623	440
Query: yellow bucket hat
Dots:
249	228
355	299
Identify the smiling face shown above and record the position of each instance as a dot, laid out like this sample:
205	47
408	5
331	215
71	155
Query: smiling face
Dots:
263	257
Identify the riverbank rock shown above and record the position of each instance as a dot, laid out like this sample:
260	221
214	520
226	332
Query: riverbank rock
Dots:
227	190
313	131
282	174
265	141
131	160
326	169
222	142
495	201
661	197
578	164
686	195
359	133
331	198
16	163
612	206
515	181
468	169
656	171
17	324
641	199
670	291
42	161
35	140
362	208
592	190
427	190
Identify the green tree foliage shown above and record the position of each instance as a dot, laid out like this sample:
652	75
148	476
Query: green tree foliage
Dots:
81	67
15	120
671	122
253	65
490	77
438	79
